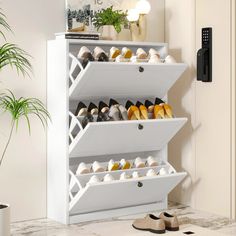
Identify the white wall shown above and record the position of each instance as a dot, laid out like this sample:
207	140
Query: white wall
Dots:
156	18
23	175
180	34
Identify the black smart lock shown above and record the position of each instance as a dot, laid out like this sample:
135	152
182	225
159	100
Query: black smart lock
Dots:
204	57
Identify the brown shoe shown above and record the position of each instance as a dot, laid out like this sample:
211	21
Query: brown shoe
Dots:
150	223
171	222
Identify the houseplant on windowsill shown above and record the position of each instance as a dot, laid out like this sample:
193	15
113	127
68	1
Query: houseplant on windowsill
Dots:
111	22
13	56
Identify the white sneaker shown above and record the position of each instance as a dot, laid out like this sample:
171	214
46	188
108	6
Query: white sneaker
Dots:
151	162
124	176
97	167
94	179
82	169
163	171
108	178
151	173
138	163
136	175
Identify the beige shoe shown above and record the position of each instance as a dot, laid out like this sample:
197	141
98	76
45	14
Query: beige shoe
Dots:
150	223
171	222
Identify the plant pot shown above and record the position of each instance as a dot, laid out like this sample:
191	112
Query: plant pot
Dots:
109	32
4	220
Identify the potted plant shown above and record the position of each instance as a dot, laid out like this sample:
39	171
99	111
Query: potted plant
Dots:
111	22
13	56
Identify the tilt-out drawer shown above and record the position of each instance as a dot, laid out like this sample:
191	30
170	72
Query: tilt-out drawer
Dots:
120	80
125	193
104	138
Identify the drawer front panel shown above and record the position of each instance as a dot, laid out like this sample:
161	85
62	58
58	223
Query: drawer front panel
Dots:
126	137
116	194
119	80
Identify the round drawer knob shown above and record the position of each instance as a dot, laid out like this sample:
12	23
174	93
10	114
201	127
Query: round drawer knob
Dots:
140	184
141	69
140	127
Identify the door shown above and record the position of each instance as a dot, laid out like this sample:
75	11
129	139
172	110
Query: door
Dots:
206	146
214	133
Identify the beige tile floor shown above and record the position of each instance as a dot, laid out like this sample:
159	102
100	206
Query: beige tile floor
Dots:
201	223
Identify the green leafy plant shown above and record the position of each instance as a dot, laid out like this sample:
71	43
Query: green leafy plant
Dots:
21	108
12	55
4	24
108	16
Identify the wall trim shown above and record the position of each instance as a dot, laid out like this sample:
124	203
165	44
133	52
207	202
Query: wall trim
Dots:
233	110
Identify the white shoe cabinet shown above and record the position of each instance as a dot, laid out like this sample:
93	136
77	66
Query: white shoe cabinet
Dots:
71	199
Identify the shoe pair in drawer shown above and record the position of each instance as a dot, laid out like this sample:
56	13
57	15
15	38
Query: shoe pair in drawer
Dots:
101	113
117	112
149	110
97	167
85	55
124	176
124	55
112	165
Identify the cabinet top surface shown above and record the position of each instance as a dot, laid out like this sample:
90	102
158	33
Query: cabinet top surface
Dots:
113	43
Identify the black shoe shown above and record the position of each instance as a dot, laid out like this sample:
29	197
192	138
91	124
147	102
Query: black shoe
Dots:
133	111
103	107
150	106
104	117
158	101
103	57
113	103
87	119
100	54
114	111
93	109
81	110
139	104
143	110
103	114
85	56
123	113
129	104
86	60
